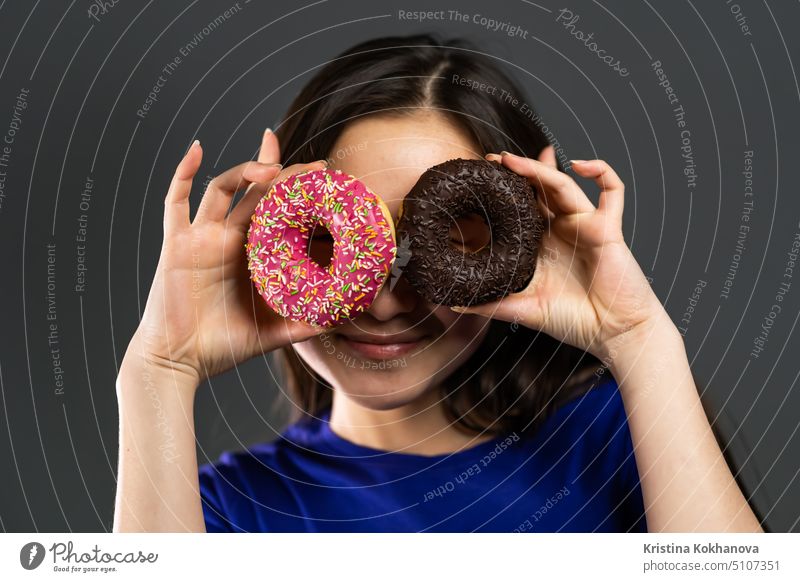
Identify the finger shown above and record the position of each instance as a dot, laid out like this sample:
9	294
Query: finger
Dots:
276	332
561	194
243	212
612	189
515	308
217	198
548	156
270	151
546	212
176	203
300	332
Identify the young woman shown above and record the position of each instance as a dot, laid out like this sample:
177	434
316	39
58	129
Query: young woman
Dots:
567	407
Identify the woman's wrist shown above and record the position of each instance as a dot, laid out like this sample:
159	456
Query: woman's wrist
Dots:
654	343
138	374
141	366
157	480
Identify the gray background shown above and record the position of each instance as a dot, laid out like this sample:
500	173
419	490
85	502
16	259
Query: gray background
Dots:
88	77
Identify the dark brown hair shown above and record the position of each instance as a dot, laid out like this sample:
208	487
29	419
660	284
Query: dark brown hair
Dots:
517	375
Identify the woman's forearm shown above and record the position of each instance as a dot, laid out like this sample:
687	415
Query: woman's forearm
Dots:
686	484
157	484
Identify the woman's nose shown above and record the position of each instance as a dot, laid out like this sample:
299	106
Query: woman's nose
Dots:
396	297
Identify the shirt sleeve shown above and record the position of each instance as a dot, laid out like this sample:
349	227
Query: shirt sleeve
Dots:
214	512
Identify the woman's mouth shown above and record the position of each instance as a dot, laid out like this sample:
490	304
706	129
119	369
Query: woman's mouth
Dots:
377	347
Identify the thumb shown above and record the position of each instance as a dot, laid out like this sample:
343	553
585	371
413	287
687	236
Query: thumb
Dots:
517	308
276	332
299	332
514	308
490	310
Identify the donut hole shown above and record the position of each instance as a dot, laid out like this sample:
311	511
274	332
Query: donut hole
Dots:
470	233
320	246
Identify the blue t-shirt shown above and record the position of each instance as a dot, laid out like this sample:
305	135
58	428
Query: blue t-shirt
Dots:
577	473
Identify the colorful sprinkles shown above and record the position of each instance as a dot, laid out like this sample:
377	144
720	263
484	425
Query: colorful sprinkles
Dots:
295	286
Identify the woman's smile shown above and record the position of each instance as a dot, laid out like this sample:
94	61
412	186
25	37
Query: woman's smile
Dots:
381	346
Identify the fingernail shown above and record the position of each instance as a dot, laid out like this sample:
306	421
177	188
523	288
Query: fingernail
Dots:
195	143
577	161
458	309
268	130
321	162
505	153
274	165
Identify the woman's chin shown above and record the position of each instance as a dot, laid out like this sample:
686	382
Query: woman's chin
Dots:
381	391
382	371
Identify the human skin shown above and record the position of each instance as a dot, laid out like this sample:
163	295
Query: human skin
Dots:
594	296
588	291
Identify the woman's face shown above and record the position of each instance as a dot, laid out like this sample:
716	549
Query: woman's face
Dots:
403	346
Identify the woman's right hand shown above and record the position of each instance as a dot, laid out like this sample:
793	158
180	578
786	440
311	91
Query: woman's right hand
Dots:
203	315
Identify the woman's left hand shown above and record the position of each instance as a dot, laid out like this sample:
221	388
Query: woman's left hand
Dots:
587	290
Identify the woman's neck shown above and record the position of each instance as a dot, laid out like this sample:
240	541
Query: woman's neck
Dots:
419	427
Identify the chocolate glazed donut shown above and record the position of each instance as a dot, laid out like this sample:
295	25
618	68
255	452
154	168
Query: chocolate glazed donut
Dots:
446	275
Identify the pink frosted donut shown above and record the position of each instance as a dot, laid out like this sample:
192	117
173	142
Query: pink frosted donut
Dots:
292	283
